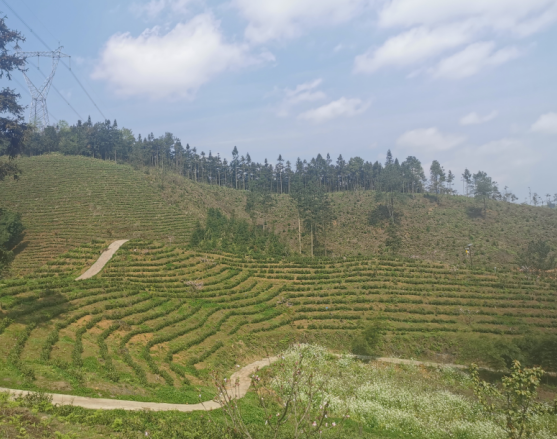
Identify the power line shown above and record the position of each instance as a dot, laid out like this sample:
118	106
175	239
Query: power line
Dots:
57	91
63	63
22	86
26	25
83	88
39	20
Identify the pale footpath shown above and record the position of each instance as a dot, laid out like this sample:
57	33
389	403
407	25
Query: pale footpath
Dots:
239	381
103	259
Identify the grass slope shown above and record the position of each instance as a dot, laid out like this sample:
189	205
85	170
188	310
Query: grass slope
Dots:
429	228
160	316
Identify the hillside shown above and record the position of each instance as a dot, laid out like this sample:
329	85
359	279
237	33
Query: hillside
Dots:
66	201
159	317
430	228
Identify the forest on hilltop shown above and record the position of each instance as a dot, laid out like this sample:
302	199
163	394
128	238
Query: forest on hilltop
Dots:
105	140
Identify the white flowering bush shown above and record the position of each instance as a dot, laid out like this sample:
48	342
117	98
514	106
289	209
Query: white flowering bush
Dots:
402	400
294	397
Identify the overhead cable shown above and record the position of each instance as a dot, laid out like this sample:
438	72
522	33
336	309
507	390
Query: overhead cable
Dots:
63	63
57	91
22	86
39	20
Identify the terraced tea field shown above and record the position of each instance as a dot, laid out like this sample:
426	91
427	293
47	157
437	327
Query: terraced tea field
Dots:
159	317
67	201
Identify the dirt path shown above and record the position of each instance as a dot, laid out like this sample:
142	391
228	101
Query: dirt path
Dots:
243	376
244	380
103	259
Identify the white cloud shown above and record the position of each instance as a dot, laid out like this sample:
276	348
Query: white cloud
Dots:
338	48
154	8
342	107
414	46
303	93
506	157
472	59
547	124
427	28
286	19
173	64
537	23
507	15
475	119
429	139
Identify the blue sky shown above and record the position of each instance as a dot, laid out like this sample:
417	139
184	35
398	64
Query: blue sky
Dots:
471	83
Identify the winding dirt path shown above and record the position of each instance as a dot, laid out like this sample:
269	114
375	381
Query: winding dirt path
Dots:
243	376
103	259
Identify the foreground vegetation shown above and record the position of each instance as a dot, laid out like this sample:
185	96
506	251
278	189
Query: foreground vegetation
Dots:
340	397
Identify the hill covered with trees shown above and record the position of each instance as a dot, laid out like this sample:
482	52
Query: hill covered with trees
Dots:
105	140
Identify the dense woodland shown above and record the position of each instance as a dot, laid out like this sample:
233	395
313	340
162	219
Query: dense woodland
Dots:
105	140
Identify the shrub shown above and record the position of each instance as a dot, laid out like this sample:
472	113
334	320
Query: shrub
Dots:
370	338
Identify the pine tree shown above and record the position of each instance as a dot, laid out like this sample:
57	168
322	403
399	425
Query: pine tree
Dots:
450	179
413	173
484	188
12	129
389	188
437	177
234	164
466	181
314	207
389	160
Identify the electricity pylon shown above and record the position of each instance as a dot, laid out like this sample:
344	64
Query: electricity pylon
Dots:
39	111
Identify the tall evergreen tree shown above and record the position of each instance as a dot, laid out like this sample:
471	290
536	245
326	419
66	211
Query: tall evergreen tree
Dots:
466	181
314	207
12	128
436	177
389	160
413	173
450	179
390	183
484	188
235	164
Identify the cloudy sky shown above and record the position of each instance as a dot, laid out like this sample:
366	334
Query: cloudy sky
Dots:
471	83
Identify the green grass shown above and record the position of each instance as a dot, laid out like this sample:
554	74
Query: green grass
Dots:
67	201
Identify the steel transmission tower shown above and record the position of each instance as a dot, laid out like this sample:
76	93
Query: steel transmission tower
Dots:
39	111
